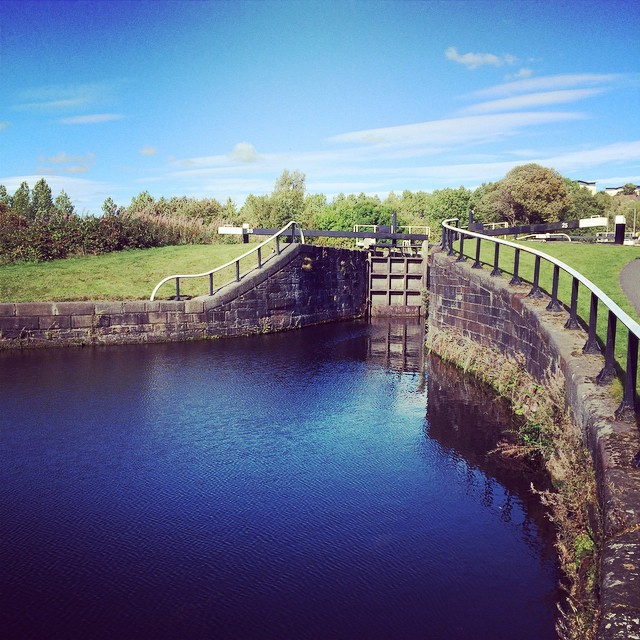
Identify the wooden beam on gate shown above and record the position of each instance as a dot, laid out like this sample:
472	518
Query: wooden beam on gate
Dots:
319	233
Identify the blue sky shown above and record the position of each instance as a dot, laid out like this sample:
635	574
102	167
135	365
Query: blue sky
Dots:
216	99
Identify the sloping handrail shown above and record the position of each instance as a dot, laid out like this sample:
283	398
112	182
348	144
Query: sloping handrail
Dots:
627	407
276	236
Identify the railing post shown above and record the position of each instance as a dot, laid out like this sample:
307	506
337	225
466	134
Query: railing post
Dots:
237	270
461	256
477	264
554	304
591	346
608	372
259	258
177	288
496	259
450	237
278	245
211	284
535	289
516	269
627	408
572	322
293	234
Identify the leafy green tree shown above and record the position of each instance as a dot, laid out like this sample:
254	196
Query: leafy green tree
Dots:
142	202
449	203
5	198
584	204
109	207
535	194
287	199
21	203
63	204
41	199
629	189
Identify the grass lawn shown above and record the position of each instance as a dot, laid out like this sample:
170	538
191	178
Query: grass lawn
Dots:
122	275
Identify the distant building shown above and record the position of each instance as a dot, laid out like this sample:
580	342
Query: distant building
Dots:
591	186
614	191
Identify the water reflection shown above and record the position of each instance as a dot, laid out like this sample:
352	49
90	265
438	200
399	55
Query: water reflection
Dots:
321	483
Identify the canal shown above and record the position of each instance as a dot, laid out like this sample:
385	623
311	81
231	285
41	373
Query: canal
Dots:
326	483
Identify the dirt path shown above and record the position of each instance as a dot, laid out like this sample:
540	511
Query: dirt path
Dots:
630	283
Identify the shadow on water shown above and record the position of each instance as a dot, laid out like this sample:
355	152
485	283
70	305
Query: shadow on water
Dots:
328	483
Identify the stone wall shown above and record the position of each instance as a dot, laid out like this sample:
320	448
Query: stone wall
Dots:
302	286
492	313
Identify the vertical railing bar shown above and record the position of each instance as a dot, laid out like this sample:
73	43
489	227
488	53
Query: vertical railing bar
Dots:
496	260
591	346
211	284
535	289
259	257
477	264
516	269
237	270
572	322
278	245
628	406
608	372
177	288
461	256
554	304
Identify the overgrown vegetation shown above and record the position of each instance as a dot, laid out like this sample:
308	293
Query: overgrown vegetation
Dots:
549	435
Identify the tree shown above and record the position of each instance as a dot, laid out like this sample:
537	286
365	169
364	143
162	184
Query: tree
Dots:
21	203
287	199
535	194
629	189
5	198
42	200
584	204
449	203
109	207
63	204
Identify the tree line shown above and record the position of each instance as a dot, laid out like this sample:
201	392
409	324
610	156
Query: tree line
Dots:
35	226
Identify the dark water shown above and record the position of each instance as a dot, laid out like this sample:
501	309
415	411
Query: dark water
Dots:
316	484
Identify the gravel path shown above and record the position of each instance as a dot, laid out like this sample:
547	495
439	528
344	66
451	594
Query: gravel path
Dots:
630	283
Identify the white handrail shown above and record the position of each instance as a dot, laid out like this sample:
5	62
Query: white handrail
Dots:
228	264
622	315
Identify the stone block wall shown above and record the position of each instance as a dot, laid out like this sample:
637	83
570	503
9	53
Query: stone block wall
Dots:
492	313
304	285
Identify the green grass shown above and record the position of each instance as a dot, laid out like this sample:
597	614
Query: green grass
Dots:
123	275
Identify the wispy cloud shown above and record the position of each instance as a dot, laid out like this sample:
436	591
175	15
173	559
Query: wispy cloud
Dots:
63	162
534	100
94	118
475	60
148	151
64	97
3	125
548	83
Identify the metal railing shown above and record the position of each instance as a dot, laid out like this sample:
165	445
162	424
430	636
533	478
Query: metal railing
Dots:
287	231
451	233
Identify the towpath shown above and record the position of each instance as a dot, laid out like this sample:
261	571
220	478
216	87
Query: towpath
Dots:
630	283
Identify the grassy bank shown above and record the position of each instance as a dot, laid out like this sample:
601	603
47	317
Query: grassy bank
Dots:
122	275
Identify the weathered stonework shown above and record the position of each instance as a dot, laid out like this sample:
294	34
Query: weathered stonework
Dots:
304	285
497	315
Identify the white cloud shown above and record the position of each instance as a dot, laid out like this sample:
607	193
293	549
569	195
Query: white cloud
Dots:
61	97
533	100
547	83
475	60
94	118
148	151
244	152
464	130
